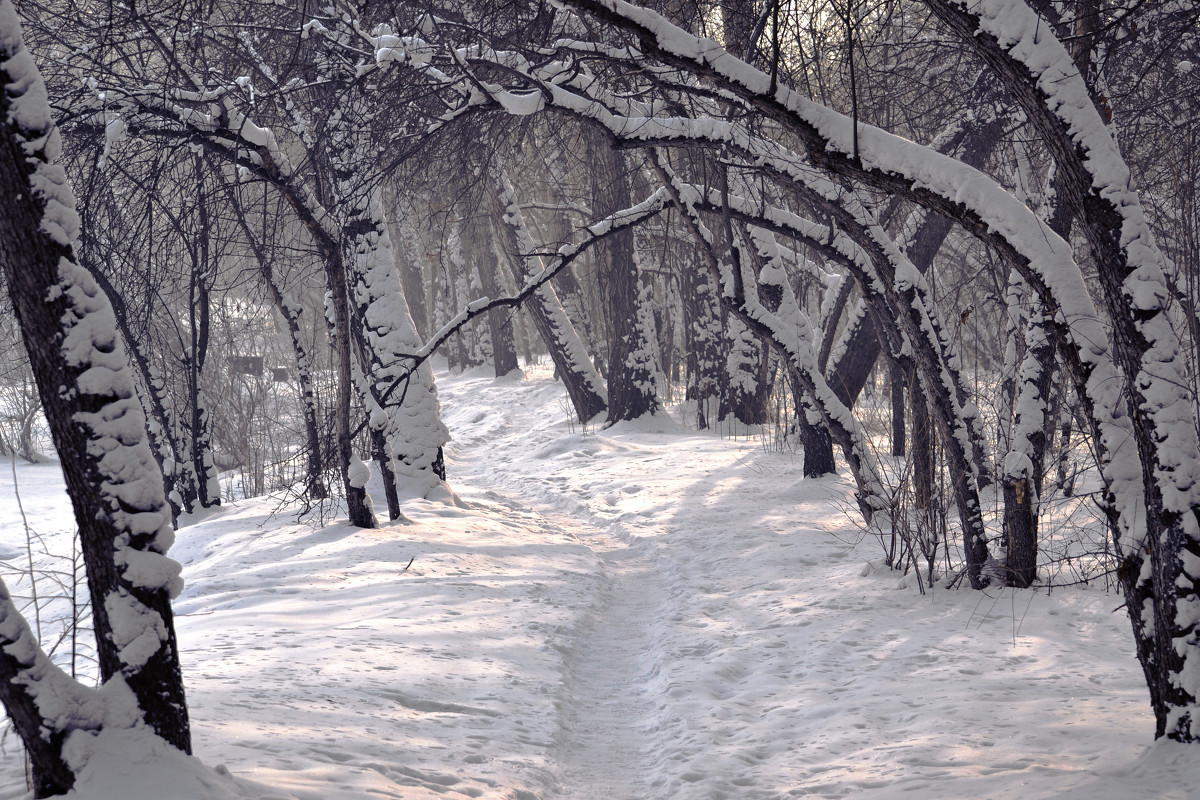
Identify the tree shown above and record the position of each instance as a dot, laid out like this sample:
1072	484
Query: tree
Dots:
1154	416
100	433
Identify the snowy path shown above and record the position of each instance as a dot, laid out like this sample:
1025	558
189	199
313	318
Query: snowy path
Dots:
606	743
606	747
642	613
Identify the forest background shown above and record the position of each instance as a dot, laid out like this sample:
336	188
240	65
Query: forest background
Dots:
985	209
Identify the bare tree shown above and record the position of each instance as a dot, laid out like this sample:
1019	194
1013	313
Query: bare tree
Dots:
99	431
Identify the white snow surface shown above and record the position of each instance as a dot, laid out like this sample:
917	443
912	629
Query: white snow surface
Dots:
643	612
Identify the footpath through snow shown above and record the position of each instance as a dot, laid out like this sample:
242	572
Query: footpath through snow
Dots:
632	614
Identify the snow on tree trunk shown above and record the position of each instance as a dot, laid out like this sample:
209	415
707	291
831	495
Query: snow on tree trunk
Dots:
314	483
1025	455
743	400
406	412
631	367
584	385
481	343
772	289
99	431
400	403
162	424
577	308
1161	556
703	338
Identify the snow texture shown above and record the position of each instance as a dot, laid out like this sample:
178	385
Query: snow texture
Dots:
629	614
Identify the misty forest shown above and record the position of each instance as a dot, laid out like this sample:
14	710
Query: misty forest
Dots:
532	399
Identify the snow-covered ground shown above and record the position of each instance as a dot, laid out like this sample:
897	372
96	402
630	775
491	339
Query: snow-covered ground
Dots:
632	614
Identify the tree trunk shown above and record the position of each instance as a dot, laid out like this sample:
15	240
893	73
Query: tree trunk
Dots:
208	484
98	429
814	436
499	320
744	395
584	385
921	461
631	377
383	460
358	504
896	382
160	417
737	20
702	340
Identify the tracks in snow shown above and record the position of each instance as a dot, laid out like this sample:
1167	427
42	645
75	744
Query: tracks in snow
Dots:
610	721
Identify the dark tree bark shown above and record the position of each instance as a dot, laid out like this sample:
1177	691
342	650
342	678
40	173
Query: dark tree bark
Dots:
737	18
499	320
744	391
583	383
98	429
896	384
631	377
358	504
208	487
1025	460
815	440
383	462
921	461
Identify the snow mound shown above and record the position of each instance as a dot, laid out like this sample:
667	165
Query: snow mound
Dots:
135	764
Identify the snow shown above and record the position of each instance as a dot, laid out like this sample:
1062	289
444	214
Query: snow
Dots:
643	612
29	106
1048	256
358	473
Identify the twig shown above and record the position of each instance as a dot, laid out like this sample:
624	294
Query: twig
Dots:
37	611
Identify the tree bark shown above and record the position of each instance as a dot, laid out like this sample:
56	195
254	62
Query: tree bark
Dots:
702	340
583	383
499	320
98	429
631	377
896	384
